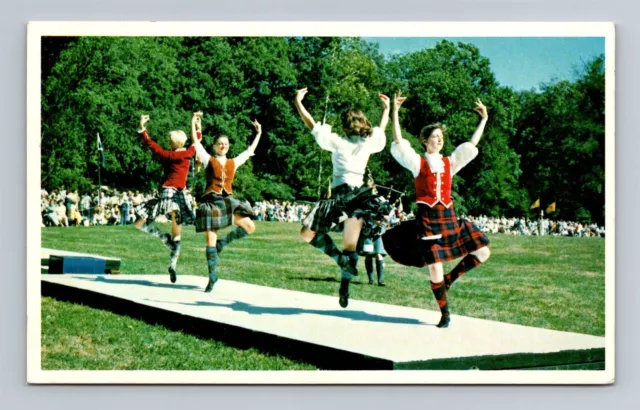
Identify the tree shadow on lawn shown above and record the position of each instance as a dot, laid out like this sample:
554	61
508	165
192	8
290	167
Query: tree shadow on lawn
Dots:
140	283
262	310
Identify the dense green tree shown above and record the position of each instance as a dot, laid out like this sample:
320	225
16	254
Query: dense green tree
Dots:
547	143
561	140
442	85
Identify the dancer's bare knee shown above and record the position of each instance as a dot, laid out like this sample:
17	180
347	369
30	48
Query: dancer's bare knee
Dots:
482	254
307	234
349	246
245	223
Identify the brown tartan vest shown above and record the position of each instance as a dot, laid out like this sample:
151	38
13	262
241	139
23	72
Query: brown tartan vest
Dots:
220	178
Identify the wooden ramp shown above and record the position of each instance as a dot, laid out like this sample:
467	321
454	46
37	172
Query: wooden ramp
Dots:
313	328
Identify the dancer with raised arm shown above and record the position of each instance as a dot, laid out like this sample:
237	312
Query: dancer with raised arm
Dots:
436	235
172	202
355	208
218	208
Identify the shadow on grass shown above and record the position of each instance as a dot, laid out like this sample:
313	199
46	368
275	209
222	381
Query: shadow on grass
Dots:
261	310
103	279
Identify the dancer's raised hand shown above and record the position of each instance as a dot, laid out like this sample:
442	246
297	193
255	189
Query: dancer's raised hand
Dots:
481	109
398	99
304	114
143	120
301	93
257	126
385	101
196	126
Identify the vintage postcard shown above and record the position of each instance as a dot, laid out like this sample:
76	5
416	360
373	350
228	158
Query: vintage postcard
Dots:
320	203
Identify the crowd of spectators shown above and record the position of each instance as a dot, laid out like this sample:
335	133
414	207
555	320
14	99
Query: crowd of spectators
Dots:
276	211
110	207
526	226
103	207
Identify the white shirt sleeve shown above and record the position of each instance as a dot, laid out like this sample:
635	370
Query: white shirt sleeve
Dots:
462	155
243	157
324	137
406	156
201	153
377	140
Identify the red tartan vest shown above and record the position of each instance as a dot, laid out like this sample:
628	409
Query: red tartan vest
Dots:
432	187
219	178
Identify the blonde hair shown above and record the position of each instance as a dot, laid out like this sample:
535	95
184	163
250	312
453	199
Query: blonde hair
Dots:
178	138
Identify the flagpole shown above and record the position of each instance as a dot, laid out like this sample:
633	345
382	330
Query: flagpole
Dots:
99	165
540	223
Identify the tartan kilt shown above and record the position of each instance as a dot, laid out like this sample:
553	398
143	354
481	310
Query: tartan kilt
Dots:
171	199
328	215
216	212
459	237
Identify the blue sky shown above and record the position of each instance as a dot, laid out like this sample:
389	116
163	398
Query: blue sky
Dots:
518	62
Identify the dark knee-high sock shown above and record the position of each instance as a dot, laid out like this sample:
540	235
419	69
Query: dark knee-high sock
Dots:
350	269
324	243
440	293
368	264
212	261
353	261
175	253
153	231
380	270
236	233
347	272
465	265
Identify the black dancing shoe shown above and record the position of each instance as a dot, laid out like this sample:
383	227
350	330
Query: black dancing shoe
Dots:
381	283
172	274
344	293
209	287
444	321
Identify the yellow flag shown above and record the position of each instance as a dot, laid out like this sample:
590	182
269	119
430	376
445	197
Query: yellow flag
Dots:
535	204
551	208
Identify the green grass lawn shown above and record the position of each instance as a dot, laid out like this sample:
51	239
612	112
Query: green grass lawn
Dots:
549	282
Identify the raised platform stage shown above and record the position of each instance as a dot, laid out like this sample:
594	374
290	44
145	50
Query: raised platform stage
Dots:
112	265
313	328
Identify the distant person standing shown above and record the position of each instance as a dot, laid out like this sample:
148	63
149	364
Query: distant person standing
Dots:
124	209
85	207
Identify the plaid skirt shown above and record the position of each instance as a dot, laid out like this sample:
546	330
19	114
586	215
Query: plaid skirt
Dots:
171	199
216	212
349	202
458	238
